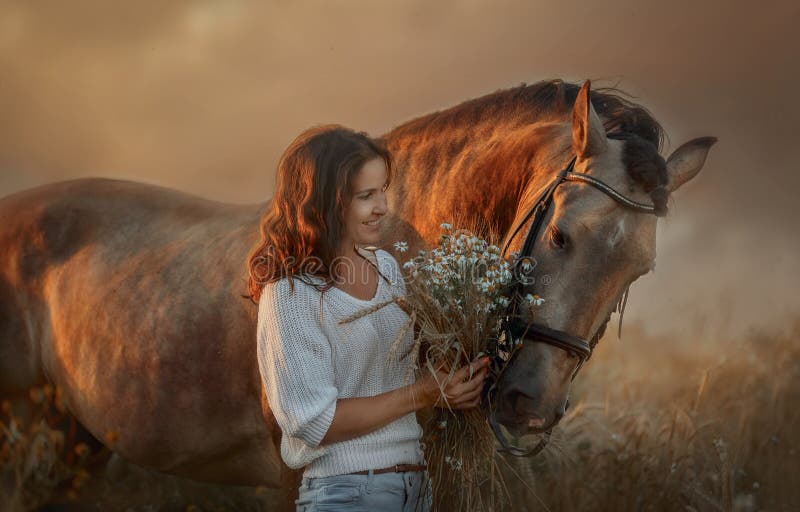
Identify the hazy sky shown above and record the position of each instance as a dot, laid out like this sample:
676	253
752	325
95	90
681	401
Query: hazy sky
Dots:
203	97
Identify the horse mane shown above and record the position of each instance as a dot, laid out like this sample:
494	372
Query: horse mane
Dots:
552	100
548	99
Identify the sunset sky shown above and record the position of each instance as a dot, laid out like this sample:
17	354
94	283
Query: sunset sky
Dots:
203	97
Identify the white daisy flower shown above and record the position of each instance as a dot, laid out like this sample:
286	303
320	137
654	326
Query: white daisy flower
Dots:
534	300
401	246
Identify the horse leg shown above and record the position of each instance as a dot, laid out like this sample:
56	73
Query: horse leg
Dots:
20	365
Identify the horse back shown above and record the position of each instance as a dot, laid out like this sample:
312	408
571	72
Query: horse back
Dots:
44	228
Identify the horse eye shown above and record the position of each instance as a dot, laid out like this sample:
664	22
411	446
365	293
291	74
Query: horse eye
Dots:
557	237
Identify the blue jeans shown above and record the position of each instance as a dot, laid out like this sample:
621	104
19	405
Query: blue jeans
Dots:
401	492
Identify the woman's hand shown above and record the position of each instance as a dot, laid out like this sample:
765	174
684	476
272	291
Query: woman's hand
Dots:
460	391
355	417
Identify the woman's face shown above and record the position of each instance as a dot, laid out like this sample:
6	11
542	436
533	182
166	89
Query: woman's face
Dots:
363	216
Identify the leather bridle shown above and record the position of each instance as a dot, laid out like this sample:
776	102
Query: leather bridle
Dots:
514	333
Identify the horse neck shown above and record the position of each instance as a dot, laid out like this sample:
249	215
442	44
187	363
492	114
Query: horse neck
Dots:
485	169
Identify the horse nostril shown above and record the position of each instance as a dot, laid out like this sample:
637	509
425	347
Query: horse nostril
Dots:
535	422
566	405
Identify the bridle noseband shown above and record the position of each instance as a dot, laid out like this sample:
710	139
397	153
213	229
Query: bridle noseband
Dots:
514	332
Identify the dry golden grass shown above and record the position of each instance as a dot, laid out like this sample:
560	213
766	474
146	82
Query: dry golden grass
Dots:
665	424
657	424
44	467
38	460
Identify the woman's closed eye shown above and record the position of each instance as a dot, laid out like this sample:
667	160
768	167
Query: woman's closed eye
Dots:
370	194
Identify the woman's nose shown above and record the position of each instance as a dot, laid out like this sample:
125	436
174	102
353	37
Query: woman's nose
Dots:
382	206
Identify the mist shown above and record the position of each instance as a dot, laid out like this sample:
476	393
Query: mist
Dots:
204	96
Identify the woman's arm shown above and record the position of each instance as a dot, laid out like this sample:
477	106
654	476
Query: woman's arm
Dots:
356	417
294	358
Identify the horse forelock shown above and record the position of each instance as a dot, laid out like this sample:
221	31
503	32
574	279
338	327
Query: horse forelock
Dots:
645	166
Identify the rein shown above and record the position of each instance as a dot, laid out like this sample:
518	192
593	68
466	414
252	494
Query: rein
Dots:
514	333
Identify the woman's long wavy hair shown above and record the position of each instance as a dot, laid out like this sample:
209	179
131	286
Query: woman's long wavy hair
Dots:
303	227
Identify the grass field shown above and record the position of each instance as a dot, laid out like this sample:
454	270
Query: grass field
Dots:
656	424
664	424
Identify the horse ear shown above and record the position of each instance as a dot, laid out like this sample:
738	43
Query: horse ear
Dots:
685	162
588	134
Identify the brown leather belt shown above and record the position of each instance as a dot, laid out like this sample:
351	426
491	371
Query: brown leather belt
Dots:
397	468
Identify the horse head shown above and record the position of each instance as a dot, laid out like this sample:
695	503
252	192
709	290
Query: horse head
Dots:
584	249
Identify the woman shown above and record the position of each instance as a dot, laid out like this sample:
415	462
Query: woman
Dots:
340	390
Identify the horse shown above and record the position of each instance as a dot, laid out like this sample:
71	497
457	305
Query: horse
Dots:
503	152
131	298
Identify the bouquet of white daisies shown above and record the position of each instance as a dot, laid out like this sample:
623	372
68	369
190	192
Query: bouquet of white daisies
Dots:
457	295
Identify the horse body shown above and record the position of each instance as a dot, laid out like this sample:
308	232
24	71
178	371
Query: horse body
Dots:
129	296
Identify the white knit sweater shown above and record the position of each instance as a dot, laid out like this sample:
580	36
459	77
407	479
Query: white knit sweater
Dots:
308	361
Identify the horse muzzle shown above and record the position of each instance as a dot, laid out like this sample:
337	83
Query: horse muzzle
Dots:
521	414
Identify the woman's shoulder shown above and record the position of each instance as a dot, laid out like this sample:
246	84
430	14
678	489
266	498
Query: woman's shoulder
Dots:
288	290
390	265
386	259
386	256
